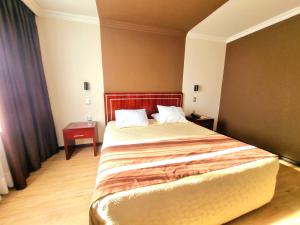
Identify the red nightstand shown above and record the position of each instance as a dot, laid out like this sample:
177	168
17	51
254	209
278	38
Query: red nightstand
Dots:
204	122
78	131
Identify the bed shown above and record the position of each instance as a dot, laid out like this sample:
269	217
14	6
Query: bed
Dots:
177	173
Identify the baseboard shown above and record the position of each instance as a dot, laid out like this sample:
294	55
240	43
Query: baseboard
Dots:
296	163
80	146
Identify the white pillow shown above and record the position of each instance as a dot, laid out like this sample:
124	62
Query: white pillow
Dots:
131	118
170	114
180	110
155	116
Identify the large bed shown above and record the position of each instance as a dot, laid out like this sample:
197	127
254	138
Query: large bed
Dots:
175	174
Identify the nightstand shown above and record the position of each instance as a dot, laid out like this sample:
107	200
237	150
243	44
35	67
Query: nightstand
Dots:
79	130
204	122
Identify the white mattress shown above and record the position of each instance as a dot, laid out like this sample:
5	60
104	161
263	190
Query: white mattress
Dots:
212	198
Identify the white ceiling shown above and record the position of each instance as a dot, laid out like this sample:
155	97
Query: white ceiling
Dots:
234	19
236	16
78	7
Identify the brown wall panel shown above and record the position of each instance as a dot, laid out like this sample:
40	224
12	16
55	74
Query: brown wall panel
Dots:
138	61
260	102
143	42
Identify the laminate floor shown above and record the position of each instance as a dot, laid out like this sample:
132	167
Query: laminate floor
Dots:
60	192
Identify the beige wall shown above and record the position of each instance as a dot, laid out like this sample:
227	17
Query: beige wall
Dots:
71	53
203	65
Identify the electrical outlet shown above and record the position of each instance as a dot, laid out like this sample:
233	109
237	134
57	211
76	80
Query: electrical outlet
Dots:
194	99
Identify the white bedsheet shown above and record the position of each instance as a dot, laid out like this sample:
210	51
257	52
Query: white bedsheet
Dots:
212	198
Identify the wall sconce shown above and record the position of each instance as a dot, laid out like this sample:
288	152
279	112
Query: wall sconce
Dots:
196	89
86	86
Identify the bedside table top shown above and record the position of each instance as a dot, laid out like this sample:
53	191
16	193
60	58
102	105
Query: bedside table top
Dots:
199	119
81	125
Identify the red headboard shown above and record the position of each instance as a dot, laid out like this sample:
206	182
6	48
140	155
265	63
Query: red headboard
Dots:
148	101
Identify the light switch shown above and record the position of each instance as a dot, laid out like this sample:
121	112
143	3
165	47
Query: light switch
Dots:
88	101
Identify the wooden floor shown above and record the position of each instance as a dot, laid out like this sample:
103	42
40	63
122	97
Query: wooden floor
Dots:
60	193
57	194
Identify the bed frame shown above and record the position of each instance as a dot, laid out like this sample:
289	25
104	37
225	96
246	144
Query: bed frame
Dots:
148	101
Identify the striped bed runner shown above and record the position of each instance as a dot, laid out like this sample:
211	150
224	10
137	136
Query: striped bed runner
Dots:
126	167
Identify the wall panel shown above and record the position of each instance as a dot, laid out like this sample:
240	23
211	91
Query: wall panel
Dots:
138	61
260	100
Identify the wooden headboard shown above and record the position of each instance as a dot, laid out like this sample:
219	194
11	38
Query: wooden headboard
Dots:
148	101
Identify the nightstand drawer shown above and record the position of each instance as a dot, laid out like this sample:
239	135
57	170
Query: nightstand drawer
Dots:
79	133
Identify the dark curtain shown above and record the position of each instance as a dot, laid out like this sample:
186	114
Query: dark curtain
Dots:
25	114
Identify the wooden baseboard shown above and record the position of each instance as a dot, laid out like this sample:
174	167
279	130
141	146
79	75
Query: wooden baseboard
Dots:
296	163
80	146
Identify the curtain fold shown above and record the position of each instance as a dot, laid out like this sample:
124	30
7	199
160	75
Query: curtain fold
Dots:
25	115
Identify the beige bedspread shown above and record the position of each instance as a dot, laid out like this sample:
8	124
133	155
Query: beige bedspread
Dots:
154	132
211	198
